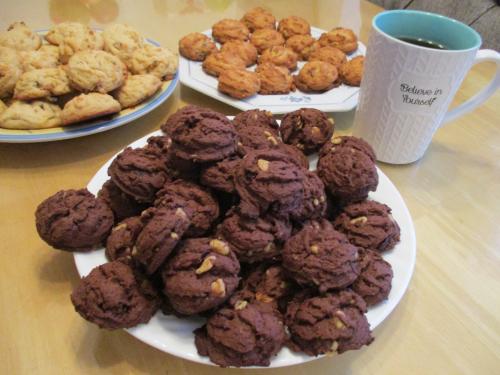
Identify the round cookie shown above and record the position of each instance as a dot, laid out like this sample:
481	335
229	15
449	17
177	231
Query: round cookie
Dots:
280	56
88	106
36	114
274	79
337	142
96	71
249	334
136	89
263	39
41	83
341	38
348	174
369	224
317	76
47	56
121	40
269	180
202	275
245	50
351	71
196	46
198	203
259	18
121	240
374	281
219	62
254	240
330	55
314	202
294	25
300	44
157	61
71	37
122	204
228	29
320	256
307	128
220	175
139	172
256	117
115	296
10	70
20	37
256	138
74	220
333	323
238	83
163	229
297	155
183	115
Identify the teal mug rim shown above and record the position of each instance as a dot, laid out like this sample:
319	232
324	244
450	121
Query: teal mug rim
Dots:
433	15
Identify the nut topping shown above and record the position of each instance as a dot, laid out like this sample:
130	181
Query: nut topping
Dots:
359	220
240	305
219	247
263	165
218	288
206	265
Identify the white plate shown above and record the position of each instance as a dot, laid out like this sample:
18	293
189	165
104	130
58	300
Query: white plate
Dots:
338	99
93	126
175	336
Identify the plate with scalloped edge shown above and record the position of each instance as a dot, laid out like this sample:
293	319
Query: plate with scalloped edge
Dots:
175	336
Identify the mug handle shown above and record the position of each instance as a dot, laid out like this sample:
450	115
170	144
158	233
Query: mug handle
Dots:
481	96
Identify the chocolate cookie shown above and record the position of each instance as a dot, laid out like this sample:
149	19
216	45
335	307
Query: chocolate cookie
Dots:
256	138
122	204
139	172
74	220
254	240
297	155
115	296
350	142
163	229
374	282
307	128
220	176
256	117
349	174
313	201
269	180
200	206
246	335
319	255
183	115
160	144
369	224
200	276
333	323
122	238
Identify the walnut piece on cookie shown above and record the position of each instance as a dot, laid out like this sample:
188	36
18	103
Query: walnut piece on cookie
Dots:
196	46
88	106
41	83
36	114
96	71
47	56
10	70
153	60
136	89
239	84
122	40
19	37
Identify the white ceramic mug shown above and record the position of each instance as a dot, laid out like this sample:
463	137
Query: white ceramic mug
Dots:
406	89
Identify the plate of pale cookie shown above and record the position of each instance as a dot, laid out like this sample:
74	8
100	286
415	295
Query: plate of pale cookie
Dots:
70	80
257	62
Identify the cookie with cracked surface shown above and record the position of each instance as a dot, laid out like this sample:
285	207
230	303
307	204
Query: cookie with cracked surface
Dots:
219	62
317	76
122	40
122	204
297	155
136	89
351	72
239	83
196	46
280	56
157	61
245	50
294	25
73	37
263	39
88	106
259	18
313	202
47	56
337	142
301	45
256	117
219	176
330	55
342	38
256	138
121	240
37	114
229	29
41	83
274	79
20	37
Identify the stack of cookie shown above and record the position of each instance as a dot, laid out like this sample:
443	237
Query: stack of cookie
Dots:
255	40
224	219
79	74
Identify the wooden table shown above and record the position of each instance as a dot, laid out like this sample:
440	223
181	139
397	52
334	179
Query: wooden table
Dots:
448	321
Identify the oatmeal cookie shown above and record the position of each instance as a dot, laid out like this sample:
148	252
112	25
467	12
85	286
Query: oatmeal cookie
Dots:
259	18
97	71
196	46
263	39
19	37
79	39
10	70
281	56
88	106
341	38
64	30
41	83
239	84
218	62
317	76
37	114
300	44
45	57
228	29
121	40
154	60
351	71
136	89
245	50
274	79
294	25
330	55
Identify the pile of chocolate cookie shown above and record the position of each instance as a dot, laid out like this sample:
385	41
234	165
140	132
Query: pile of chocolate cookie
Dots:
223	218
277	48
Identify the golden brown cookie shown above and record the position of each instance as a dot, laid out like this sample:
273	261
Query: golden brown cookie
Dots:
19	37
317	76
196	46
239	84
10	70
3	107
351	71
136	89
36	114
72	37
122	40
245	50
47	56
259	18
217	62
158	61
41	83
63	30
341	38
294	25
227	29
274	79
88	106
266	38
300	44
330	55
281	56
